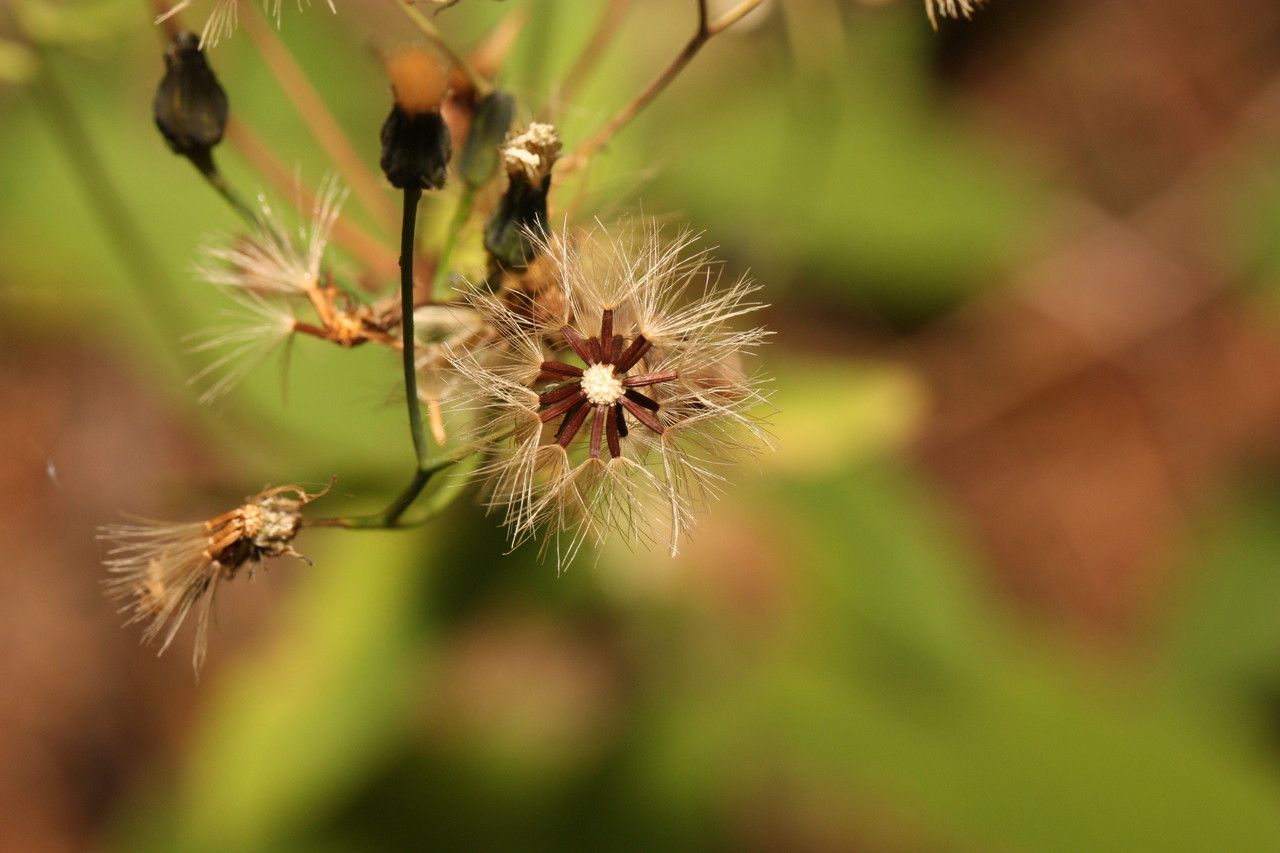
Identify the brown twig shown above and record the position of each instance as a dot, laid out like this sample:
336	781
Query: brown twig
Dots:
366	186
707	29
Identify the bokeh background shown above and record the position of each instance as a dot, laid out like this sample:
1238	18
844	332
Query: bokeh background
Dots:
1010	582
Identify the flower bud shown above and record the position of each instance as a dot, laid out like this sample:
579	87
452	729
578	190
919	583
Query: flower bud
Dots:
190	105
522	211
479	157
415	140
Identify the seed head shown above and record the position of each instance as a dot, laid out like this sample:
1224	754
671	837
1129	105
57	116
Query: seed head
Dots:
271	261
626	403
161	571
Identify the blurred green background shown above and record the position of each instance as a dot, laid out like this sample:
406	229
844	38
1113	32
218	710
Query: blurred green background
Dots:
1009	582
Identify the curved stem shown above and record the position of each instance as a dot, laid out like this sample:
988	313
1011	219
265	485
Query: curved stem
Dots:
707	28
222	186
392	518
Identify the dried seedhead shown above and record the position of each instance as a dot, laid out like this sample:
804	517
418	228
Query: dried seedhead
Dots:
160	571
626	400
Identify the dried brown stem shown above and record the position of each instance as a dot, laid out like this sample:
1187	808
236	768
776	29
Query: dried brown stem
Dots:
707	29
366	186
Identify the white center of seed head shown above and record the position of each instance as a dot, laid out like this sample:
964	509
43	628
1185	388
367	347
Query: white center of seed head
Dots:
601	385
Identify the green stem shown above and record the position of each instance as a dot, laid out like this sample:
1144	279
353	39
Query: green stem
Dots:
425	467
209	170
391	518
407	338
461	214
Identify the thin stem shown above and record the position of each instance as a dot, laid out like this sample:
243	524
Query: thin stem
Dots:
707	29
432	32
319	120
408	349
393	516
461	214
424	467
219	182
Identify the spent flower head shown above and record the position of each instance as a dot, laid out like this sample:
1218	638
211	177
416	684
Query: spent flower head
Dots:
269	260
161	571
627	397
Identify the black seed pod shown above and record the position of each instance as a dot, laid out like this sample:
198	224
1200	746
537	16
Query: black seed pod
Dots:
415	149
190	105
521	211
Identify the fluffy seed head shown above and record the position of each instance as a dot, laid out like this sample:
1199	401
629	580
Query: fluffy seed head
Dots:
627	398
162	571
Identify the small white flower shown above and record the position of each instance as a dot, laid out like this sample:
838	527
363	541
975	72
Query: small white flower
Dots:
626	399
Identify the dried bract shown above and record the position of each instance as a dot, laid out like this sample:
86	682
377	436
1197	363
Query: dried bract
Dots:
162	571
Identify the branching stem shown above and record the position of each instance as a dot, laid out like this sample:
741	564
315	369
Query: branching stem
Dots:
707	29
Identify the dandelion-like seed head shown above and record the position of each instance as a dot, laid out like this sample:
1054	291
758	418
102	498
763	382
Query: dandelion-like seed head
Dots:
626	400
162	571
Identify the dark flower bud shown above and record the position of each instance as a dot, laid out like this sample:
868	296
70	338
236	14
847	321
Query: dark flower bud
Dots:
190	105
415	140
479	158
521	213
415	149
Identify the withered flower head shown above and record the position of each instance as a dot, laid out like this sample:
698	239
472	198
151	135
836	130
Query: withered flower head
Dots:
627	402
261	271
511	235
416	145
161	571
190	105
270	260
951	9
